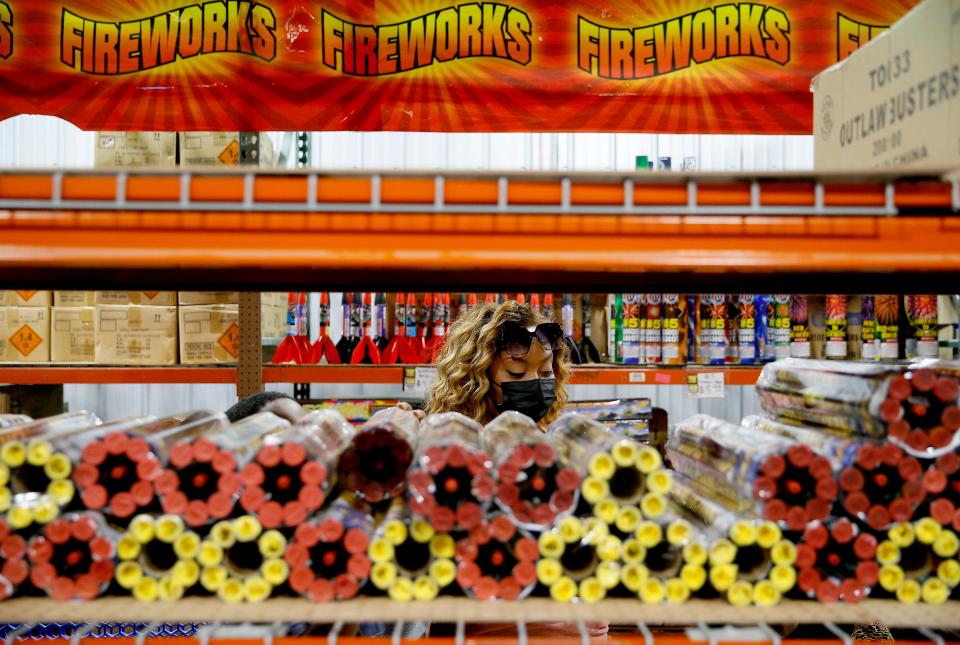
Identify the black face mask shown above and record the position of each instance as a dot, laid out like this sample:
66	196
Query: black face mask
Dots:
532	398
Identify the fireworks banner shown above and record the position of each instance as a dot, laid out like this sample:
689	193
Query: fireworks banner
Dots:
428	65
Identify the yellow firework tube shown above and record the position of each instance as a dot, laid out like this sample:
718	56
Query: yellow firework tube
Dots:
169	590
142	528
62	491
628	518
652	591
395	531
891	577
949	572
695	553
659	481
694	576
214	578
401	590
743	533
723	576
231	591
210	555
934	591
383	574
147	590
593	489
19	517
185	573
591	590
223	534
648	460
653	505
129	574
765	594
722	552
633	576
649	534
564	589
421	531
570	529
549	571
624	453
256	589
888	553
247	528
740	593
606	510
602	466
6	499
443	546
947	544
783	552
927	530
187	545
609	548
909	591
4	474
58	467
783	577
275	571
13	454
633	551
768	534
902	534
272	544
551	545
443	571
609	573
169	528
425	588
380	550
679	532
45	510
39	452
128	548
677	590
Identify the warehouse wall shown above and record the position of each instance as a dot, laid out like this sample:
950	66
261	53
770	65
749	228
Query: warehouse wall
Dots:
35	141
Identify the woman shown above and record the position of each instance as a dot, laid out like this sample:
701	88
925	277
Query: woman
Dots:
499	358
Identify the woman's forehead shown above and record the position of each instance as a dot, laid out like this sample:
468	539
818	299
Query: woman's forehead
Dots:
536	356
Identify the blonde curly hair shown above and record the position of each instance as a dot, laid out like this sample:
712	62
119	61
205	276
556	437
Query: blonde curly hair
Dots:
463	381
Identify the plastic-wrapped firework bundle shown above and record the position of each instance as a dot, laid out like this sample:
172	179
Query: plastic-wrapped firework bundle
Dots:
117	466
534	484
836	561
746	470
497	560
749	561
918	562
451	481
328	554
883	485
31	464
840	449
202	481
411	561
10	420
617	468
289	475
376	461
13	562
922	408
242	562
945	490
570	557
73	557
158	558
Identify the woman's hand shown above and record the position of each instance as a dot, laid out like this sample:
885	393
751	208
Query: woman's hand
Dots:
420	414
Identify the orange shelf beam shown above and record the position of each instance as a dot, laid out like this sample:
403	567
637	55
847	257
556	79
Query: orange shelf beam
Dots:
42	375
373	374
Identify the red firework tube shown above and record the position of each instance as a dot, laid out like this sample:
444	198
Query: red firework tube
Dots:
327	555
13	564
497	561
376	461
450	482
835	561
883	485
73	557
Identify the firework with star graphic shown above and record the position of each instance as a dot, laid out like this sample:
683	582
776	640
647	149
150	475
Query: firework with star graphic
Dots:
924	334
800	327
887	310
835	315
868	329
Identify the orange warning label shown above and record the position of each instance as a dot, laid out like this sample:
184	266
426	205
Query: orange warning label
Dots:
150	294
231	154
25	340
230	340
26	295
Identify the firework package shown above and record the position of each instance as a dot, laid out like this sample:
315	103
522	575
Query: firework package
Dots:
914	406
376	461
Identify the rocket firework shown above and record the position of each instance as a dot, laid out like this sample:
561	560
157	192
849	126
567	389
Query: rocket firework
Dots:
72	558
376	461
918	562
496	560
393	352
324	350
836	561
241	562
328	555
451	482
411	560
350	335
158	558
13	564
365	351
533	484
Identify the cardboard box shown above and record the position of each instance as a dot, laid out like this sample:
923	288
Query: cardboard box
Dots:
209	334
72	334
894	103
133	149
273	321
136	335
74	298
208	298
26	298
223	149
153	298
24	334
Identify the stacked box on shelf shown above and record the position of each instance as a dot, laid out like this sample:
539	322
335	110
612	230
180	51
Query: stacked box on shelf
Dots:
24	334
115	149
209	334
135	335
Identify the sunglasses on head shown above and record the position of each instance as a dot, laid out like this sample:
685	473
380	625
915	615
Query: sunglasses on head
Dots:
515	339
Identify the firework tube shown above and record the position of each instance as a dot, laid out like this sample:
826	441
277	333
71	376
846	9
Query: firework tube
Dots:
200	481
30	462
158	558
751	470
288	477
11	420
748	560
616	468
836	561
241	561
73	557
883	486
328	555
840	449
664	561
13	562
118	465
534	485
943	482
451	481
570	554
376	461
497	560
918	562
410	560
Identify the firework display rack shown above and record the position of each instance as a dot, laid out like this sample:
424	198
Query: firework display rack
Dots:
260	229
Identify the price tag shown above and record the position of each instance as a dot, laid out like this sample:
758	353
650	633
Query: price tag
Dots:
709	385
423	378
637	377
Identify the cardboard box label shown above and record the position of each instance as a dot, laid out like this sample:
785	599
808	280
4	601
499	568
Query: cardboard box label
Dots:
230	155
25	340
230	340
26	295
